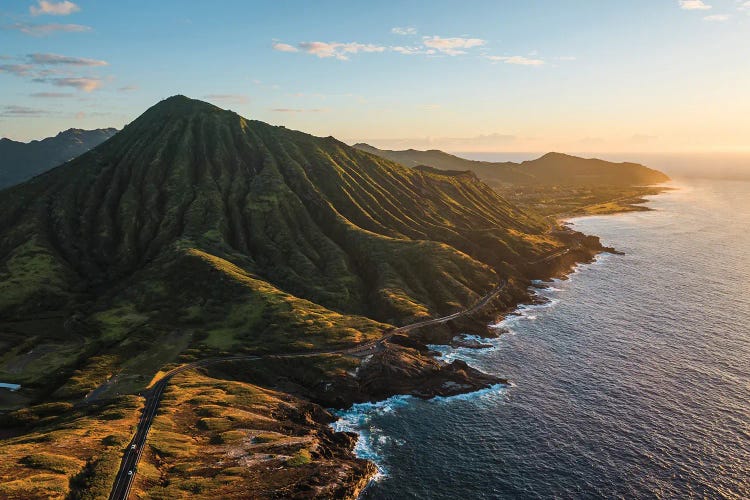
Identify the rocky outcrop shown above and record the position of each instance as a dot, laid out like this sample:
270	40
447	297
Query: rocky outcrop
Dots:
403	370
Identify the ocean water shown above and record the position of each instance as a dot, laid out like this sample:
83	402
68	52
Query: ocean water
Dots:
633	381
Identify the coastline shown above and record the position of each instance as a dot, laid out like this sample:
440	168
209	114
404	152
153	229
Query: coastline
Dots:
351	420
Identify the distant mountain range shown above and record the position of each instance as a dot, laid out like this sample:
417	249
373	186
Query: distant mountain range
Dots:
550	169
20	161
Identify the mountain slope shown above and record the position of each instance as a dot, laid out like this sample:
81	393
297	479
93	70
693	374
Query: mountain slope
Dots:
195	233
20	161
241	234
550	169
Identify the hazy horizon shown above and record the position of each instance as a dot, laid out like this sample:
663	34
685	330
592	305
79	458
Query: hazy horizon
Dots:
729	165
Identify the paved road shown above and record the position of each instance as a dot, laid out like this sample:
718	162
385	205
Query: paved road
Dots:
127	472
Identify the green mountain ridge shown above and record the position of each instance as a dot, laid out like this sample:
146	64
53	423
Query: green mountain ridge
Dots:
197	234
241	235
549	169
20	161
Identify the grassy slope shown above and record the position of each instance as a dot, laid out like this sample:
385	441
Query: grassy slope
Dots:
214	438
65	452
242	235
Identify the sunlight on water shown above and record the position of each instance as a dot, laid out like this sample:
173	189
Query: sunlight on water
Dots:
632	381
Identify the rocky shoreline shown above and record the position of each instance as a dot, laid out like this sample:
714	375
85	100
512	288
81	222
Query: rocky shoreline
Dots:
407	366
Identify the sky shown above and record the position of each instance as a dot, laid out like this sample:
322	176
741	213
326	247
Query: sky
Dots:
479	76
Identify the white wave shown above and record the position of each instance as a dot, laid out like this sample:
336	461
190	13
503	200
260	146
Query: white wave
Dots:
370	438
467	396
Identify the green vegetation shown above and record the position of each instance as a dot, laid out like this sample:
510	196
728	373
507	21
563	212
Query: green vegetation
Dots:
47	461
195	232
302	457
565	201
32	275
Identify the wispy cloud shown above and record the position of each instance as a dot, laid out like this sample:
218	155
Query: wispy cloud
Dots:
284	47
452	46
340	51
79	83
57	70
57	59
17	69
693	5
51	95
20	111
429	46
717	18
519	60
44	7
128	88
405	30
299	110
227	98
47	29
412	51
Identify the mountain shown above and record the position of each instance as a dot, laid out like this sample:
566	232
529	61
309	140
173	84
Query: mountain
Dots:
20	161
550	169
195	233
240	235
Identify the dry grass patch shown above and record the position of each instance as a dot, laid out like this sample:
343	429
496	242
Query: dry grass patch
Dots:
66	452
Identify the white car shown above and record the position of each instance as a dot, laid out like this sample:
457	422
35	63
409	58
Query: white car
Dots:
133	447
130	473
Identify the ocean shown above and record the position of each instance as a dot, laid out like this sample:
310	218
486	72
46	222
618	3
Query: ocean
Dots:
633	381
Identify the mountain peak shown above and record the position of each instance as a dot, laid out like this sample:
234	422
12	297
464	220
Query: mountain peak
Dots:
552	155
181	105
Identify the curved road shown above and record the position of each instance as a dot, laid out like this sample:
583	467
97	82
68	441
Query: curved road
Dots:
127	471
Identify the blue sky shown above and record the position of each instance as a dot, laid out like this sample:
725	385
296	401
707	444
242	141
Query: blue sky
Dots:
570	75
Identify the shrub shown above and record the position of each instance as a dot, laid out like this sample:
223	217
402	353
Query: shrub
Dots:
302	457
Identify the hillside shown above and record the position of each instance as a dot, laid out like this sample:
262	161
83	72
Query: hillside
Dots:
308	215
202	232
195	233
550	169
20	161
